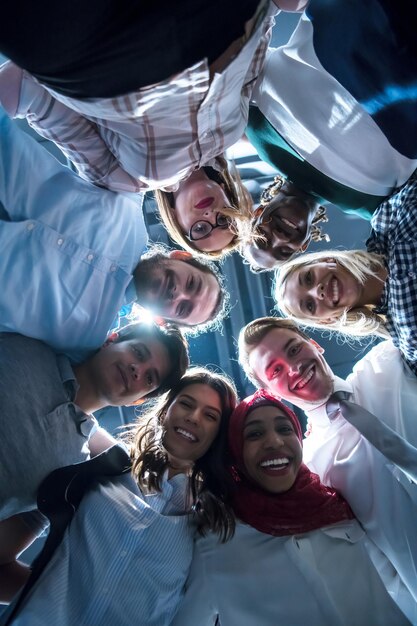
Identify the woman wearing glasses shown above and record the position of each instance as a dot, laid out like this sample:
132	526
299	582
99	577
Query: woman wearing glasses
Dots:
201	215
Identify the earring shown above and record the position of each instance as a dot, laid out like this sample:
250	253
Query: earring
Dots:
316	233
137	402
269	192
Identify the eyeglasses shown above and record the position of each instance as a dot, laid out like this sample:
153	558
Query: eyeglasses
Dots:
203	229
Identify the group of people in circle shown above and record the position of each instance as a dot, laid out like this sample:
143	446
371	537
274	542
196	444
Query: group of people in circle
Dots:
217	510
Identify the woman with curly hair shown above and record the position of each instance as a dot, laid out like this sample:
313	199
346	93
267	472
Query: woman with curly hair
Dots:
127	551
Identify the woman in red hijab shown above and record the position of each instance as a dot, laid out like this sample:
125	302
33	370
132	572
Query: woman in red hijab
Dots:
297	555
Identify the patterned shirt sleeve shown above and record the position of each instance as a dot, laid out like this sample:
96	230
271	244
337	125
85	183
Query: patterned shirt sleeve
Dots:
78	137
394	235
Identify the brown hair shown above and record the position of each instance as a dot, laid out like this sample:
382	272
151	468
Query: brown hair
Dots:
253	333
207	488
158	253
241	209
171	338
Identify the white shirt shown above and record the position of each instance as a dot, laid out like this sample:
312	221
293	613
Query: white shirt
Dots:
323	122
321	578
382	498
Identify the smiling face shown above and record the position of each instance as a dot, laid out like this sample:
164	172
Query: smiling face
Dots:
198	205
177	291
191	423
322	291
272	452
285	224
291	367
125	371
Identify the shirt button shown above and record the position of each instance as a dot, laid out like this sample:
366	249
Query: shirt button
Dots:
411	274
90	257
60	241
113	268
30	226
123	553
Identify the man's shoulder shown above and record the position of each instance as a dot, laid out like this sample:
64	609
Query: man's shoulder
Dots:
25	355
381	375
380	359
17	342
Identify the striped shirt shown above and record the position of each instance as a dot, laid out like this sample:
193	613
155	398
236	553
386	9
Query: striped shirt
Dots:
124	560
393	235
157	136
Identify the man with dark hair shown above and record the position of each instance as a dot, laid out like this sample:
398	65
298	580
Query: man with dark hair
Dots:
180	287
46	404
278	356
73	250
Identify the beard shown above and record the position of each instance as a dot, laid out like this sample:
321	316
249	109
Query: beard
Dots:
148	276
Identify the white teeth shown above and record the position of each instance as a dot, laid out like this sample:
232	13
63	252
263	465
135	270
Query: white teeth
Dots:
185	433
275	462
305	379
335	291
287	222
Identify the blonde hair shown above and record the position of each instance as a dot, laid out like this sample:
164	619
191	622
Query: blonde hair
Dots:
241	209
358	322
253	333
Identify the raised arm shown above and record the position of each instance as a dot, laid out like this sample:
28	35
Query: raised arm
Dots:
77	137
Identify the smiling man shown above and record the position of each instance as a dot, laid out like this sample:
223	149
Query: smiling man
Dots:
179	287
72	255
284	223
46	403
278	356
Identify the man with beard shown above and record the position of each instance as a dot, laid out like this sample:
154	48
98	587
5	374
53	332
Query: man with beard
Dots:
277	355
71	256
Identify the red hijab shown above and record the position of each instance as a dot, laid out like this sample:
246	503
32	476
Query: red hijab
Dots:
308	505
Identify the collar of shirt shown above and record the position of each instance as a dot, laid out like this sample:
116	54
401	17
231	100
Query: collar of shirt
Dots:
173	497
317	416
67	375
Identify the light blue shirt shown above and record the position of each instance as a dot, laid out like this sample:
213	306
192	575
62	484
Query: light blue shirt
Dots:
123	560
68	248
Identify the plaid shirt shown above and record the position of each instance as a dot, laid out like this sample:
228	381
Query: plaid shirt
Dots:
157	136
394	235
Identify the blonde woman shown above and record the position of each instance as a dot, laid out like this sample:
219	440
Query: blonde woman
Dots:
335	289
356	292
202	216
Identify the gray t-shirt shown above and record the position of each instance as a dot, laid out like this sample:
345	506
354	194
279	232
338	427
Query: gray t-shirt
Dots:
41	427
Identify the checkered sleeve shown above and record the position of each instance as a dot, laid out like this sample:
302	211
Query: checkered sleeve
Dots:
394	235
